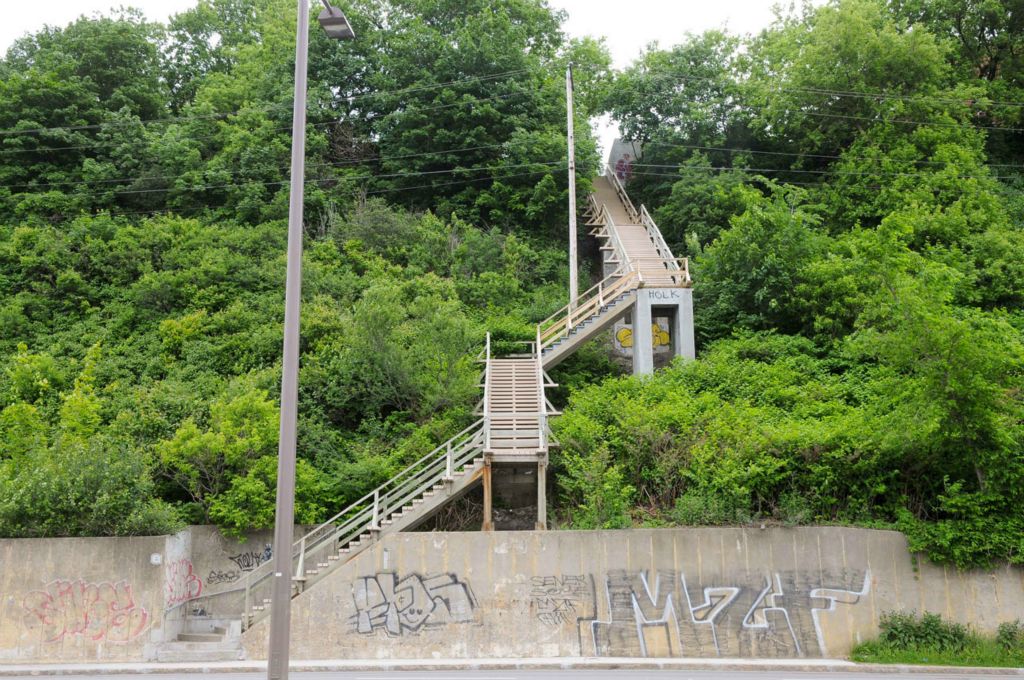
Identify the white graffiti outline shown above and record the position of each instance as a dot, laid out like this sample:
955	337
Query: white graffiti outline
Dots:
641	619
727	593
834	596
756	618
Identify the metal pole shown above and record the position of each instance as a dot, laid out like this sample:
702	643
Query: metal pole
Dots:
284	518
573	284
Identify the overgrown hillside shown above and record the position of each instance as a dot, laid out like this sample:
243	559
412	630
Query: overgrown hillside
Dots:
848	185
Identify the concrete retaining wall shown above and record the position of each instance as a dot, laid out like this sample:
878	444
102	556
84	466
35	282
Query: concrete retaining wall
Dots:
113	599
806	592
803	592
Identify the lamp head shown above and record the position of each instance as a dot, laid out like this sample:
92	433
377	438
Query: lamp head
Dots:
335	24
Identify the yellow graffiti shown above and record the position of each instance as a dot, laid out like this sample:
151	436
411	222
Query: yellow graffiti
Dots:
625	336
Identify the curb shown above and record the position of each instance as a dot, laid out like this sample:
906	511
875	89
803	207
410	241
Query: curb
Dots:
794	665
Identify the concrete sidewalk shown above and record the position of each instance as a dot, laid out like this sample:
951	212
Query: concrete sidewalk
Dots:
363	665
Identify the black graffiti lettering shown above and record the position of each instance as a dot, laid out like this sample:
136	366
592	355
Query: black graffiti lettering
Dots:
411	604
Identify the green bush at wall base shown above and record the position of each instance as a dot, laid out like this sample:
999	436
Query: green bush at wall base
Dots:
907	638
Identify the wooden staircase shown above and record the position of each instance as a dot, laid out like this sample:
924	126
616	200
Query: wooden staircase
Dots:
638	257
514	424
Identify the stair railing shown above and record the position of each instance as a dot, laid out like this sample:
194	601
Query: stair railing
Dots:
589	303
365	515
655	235
677	270
487	393
621	191
613	236
542	402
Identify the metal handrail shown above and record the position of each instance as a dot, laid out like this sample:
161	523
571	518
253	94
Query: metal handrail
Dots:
487	393
654	234
596	287
392	496
621	191
562	325
542	401
613	235
363	516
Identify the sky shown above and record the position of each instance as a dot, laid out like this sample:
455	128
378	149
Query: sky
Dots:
628	25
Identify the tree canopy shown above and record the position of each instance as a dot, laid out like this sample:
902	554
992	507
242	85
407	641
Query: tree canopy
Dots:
847	184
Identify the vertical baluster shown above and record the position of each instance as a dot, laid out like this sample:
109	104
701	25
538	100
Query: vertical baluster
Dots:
376	510
247	612
300	570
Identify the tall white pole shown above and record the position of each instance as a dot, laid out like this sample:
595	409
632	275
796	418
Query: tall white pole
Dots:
284	519
573	275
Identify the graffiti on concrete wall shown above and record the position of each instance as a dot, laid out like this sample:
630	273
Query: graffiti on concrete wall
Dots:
560	599
247	560
664	614
182	583
218	576
410	604
102	611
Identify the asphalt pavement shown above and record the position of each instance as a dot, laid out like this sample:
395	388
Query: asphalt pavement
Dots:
848	672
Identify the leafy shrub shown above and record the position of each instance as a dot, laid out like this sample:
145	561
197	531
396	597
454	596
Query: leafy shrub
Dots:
699	507
907	630
1010	635
597	491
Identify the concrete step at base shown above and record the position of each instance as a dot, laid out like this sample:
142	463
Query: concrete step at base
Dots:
174	656
223	646
200	637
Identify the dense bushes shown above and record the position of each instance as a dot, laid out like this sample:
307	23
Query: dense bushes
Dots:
139	376
907	637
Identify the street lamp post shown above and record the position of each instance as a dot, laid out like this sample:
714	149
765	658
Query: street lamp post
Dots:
337	27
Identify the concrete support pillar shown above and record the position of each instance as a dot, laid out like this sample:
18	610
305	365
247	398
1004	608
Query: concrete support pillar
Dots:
542	495
643	338
683	344
488	521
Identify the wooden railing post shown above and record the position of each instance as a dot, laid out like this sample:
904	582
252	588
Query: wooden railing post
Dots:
248	604
300	570
376	510
449	464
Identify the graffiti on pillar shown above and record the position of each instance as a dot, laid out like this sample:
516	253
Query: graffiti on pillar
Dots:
561	599
101	611
410	604
659	334
183	584
774	614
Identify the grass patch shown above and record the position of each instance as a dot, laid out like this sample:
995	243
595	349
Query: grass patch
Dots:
928	640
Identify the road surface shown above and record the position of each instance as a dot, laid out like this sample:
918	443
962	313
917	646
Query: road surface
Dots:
584	674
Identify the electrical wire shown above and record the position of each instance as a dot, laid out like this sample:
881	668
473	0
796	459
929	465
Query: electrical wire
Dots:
228	185
813	172
262	109
424	109
370	192
309	166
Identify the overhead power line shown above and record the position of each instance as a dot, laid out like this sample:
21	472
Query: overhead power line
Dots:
857	94
370	192
794	154
812	172
399	175
272	107
424	109
167	178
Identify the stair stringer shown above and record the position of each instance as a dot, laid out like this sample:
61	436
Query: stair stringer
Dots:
596	323
309	607
412	515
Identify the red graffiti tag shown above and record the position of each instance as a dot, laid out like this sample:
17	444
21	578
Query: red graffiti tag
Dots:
182	584
95	611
